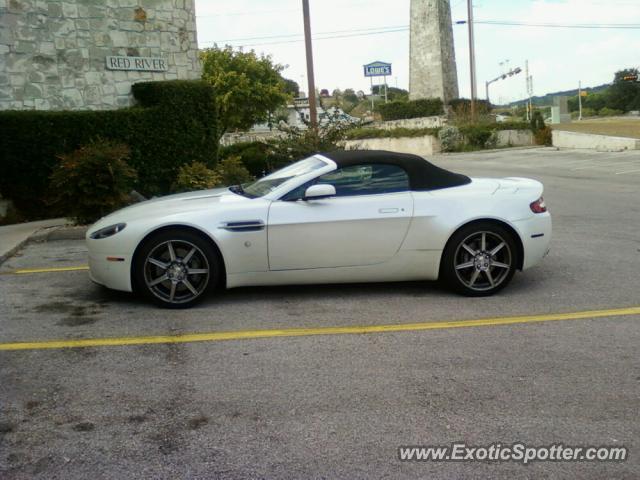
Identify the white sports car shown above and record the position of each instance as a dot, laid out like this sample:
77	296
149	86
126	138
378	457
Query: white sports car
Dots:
352	216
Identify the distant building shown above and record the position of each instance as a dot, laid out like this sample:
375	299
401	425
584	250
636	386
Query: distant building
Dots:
299	116
85	55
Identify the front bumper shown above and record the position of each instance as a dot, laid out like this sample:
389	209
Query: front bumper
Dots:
112	274
107	266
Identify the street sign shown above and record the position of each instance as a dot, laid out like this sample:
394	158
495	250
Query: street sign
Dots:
137	64
377	69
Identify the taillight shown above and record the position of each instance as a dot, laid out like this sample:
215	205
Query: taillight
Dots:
538	206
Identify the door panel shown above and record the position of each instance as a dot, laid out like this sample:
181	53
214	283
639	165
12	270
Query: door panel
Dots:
338	231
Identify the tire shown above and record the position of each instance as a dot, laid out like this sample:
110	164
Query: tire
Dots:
176	268
478	270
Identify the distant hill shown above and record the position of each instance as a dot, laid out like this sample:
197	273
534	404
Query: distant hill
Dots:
547	99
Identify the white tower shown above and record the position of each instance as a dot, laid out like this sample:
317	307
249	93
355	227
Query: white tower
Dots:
433	71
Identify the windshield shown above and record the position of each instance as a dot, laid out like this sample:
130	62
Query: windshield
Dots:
267	184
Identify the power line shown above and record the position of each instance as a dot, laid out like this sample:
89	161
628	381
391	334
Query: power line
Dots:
265	12
328	37
403	28
624	26
372	29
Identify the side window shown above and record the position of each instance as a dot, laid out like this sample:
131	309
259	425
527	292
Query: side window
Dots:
367	179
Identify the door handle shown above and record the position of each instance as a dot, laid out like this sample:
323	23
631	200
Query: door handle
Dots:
388	210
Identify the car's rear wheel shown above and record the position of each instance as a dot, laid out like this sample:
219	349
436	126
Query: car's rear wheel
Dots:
480	259
176	268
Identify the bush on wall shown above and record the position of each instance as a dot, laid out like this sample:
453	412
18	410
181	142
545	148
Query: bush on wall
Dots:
195	176
400	110
463	105
254	156
93	181
173	124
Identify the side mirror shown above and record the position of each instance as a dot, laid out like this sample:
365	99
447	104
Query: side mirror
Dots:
316	192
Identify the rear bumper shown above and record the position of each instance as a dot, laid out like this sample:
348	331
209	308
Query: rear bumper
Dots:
535	233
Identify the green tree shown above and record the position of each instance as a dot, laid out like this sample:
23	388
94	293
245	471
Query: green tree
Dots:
624	94
350	96
247	87
393	93
291	87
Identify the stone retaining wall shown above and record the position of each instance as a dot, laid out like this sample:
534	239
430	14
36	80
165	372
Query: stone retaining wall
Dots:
564	139
53	54
422	122
430	145
425	146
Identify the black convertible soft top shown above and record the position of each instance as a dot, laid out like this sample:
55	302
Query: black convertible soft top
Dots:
422	174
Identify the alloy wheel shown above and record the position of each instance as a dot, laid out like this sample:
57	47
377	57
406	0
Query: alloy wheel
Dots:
176	271
483	261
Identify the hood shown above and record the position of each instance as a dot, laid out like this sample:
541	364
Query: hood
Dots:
170	205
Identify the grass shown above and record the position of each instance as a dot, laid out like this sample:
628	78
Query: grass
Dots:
616	126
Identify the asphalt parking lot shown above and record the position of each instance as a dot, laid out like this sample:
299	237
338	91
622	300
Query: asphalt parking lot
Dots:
339	405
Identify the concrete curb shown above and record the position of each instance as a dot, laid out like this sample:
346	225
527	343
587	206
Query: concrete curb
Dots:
53	234
47	234
15	236
493	150
11	252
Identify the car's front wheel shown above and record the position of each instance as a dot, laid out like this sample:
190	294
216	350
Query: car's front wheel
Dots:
176	268
480	259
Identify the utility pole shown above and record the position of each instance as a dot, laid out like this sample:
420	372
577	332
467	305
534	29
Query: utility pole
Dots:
529	90
580	100
313	112
386	97
472	60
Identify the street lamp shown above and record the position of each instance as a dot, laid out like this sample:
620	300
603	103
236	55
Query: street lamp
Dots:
504	76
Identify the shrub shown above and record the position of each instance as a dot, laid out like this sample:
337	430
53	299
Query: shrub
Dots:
254	156
492	141
463	106
609	112
477	135
93	180
450	138
173	125
195	176
399	110
231	171
298	143
537	121
543	136
510	126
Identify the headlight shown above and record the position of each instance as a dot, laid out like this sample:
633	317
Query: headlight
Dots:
107	231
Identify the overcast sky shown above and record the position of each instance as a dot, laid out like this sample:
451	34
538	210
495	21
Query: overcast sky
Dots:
558	57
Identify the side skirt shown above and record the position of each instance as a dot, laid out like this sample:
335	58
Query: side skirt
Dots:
405	266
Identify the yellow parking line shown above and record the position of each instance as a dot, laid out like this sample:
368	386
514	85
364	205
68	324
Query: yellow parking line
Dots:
25	271
302	332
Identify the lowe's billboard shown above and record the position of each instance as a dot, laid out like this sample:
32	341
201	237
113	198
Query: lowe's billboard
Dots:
377	69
